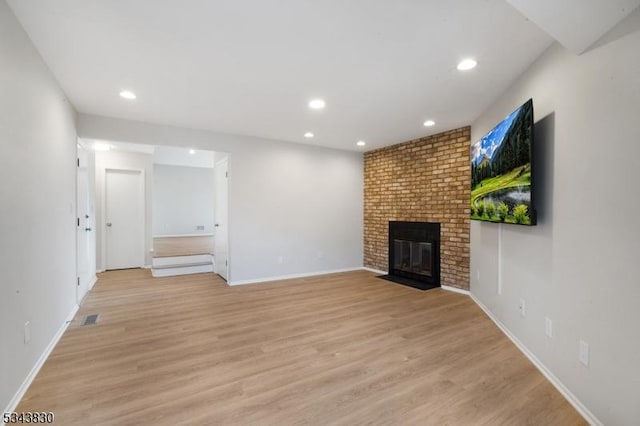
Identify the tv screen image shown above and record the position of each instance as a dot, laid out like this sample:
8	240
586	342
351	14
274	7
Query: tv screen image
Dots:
501	171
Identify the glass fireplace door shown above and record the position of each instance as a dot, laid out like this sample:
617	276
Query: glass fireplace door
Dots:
413	256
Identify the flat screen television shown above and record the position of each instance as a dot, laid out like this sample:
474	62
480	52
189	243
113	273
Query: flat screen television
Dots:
501	171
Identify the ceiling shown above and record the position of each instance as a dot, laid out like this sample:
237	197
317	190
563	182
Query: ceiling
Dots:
250	67
576	24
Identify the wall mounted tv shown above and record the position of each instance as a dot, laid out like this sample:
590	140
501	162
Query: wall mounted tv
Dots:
501	171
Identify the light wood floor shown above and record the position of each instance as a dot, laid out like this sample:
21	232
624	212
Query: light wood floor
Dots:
341	349
182	246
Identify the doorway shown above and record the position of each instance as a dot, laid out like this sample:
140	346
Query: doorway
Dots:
221	225
84	225
124	226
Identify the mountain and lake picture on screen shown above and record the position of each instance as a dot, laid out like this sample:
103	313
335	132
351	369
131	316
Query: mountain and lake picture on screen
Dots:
501	171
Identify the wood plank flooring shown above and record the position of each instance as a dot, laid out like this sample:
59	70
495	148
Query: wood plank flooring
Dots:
182	246
343	349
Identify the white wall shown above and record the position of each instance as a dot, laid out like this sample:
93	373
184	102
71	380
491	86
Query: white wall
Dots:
579	266
182	200
127	161
290	202
37	206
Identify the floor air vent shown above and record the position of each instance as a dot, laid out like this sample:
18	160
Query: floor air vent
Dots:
90	319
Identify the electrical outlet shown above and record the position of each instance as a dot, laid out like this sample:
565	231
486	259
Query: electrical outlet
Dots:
584	353
548	327
27	332
199	227
478	275
280	260
521	308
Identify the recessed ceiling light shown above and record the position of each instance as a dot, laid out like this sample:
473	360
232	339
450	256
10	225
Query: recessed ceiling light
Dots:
308	135
101	146
467	64
429	123
192	151
316	104
361	143
127	94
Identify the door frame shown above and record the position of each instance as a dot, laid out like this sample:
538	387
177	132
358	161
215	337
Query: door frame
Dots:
143	212
81	151
86	222
226	160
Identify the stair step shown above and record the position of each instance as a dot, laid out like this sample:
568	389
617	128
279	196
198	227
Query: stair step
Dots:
181	270
182	265
181	260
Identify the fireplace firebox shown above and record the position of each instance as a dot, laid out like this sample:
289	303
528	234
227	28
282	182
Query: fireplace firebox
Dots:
414	254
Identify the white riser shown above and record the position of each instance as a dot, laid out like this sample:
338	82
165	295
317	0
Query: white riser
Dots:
182	270
178	260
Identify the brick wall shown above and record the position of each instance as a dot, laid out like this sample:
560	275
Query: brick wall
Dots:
424	180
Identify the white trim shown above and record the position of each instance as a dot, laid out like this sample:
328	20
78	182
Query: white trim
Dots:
99	271
376	271
573	400
455	290
292	276
93	282
182	235
499	258
36	368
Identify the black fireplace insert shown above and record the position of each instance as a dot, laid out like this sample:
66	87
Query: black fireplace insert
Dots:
414	254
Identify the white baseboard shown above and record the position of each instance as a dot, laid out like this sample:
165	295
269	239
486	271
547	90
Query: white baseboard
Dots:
375	271
36	368
292	276
573	400
93	282
455	290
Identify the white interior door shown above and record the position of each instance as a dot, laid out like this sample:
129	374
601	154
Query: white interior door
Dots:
84	227
221	226
124	214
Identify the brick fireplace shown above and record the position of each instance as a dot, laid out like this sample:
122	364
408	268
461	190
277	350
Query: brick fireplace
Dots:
424	180
414	254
